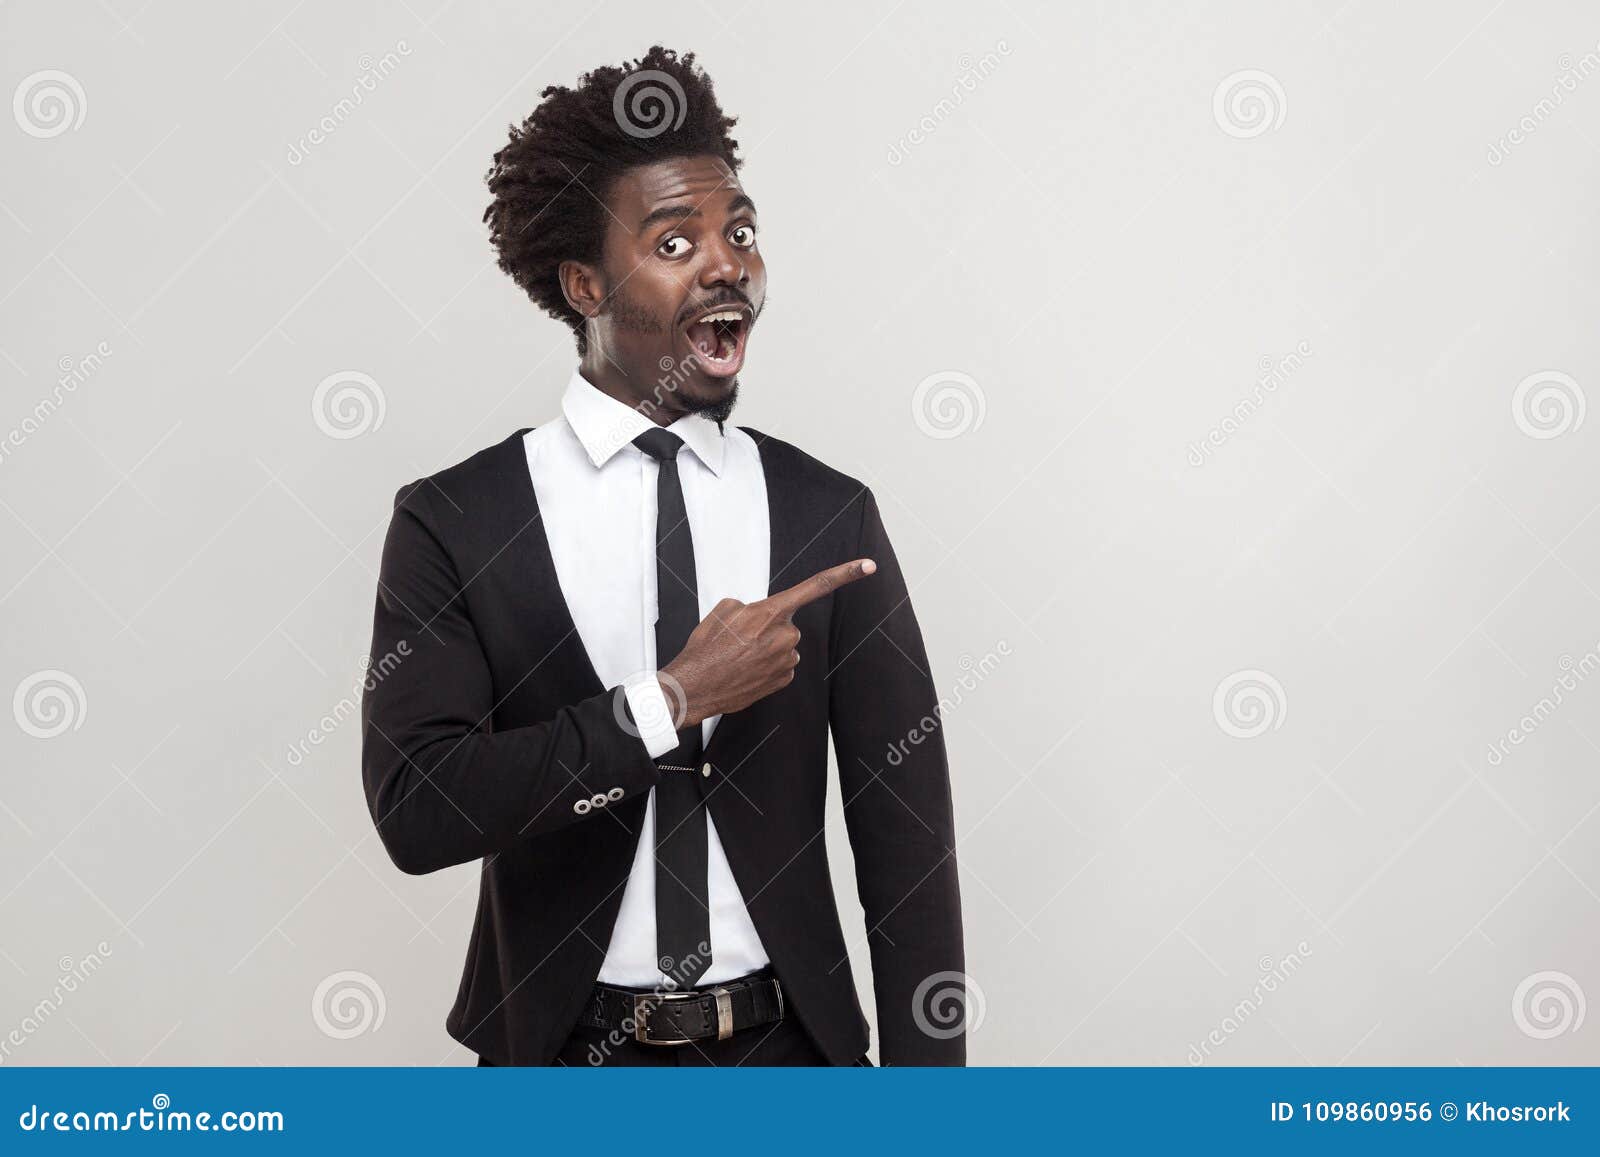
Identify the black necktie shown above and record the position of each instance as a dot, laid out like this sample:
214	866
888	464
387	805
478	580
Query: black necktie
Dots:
683	917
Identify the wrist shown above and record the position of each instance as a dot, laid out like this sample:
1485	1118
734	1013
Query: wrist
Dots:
682	699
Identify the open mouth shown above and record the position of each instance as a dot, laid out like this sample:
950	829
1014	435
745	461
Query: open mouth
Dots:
717	339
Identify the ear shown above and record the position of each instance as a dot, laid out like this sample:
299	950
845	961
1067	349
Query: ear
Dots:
582	286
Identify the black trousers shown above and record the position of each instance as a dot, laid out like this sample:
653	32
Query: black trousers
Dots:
783	1042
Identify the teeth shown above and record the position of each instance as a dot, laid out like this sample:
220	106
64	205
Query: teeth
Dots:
725	315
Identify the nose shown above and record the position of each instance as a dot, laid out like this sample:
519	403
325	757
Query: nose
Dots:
724	265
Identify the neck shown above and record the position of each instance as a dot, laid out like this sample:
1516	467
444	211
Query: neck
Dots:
639	393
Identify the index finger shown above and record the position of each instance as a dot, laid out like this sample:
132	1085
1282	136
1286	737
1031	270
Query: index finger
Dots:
822	583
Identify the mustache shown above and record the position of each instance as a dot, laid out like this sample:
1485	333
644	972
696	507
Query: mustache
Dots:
733	298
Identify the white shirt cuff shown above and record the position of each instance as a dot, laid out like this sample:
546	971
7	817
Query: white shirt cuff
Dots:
652	714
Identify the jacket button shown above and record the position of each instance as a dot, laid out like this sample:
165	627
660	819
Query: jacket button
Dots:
582	807
614	794
599	800
706	771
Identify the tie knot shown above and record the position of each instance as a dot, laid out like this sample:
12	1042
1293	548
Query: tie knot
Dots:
662	445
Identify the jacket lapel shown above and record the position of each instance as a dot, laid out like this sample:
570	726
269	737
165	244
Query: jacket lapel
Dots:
739	733
529	581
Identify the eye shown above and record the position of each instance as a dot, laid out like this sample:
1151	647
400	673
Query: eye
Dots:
674	247
744	236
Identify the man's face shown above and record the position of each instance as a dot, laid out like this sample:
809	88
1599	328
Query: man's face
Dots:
684	282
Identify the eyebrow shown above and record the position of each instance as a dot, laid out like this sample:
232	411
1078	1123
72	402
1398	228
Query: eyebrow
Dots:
684	212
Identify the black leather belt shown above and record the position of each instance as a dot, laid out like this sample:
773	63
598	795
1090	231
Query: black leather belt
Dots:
715	1012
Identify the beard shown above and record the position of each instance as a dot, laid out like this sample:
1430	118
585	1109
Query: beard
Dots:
630	316
718	409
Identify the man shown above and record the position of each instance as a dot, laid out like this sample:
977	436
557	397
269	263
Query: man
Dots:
629	632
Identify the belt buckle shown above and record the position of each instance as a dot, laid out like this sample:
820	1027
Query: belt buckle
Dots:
644	1004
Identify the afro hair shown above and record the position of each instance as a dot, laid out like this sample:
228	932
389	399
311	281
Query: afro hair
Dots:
550	181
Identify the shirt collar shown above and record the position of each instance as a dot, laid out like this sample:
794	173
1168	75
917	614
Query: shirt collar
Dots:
604	425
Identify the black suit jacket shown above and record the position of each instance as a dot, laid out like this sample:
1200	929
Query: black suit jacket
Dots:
489	725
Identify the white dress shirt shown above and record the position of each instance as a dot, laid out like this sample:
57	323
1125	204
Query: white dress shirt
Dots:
597	495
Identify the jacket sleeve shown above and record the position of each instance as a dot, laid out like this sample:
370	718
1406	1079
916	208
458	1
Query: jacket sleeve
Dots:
442	785
895	783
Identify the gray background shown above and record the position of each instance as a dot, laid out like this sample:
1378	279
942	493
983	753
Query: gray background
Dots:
1399	550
